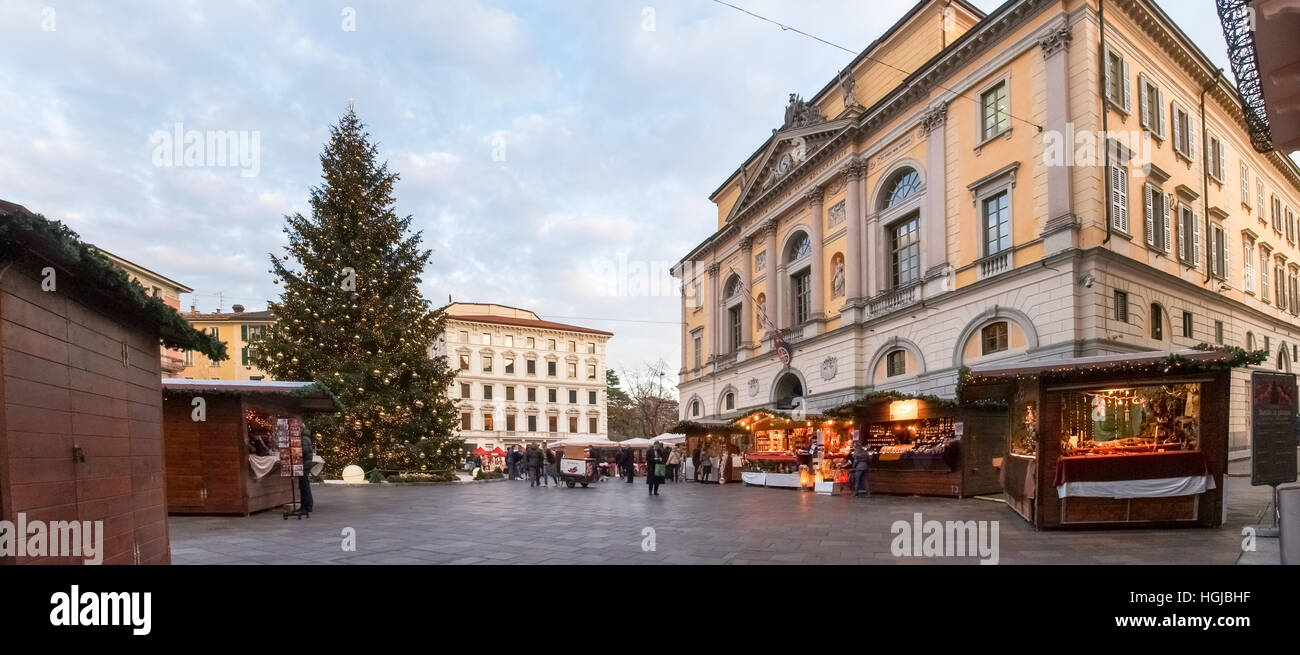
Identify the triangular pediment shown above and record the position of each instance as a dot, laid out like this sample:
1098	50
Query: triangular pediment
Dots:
784	158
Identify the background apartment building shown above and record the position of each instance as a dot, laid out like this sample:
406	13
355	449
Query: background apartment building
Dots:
164	288
240	331
523	379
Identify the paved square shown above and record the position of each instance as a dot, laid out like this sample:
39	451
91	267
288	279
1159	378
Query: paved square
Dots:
512	523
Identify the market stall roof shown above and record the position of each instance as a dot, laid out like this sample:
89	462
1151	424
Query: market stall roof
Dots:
310	396
1155	361
634	443
584	442
30	235
669	438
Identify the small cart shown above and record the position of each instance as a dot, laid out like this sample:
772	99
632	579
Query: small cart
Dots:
574	471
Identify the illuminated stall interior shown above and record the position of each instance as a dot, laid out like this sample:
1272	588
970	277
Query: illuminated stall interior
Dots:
1119	439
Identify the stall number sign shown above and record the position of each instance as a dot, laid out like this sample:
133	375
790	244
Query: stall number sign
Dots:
288	438
1272	428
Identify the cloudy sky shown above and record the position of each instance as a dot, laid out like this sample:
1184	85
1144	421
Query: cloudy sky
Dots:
558	155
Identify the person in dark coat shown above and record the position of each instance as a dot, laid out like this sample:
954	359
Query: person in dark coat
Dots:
695	462
653	456
627	463
860	460
533	459
551	467
304	481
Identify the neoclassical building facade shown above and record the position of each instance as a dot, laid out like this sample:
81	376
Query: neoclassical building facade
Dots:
1055	179
522	379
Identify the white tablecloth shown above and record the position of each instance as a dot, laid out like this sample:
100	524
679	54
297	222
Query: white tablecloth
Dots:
1157	488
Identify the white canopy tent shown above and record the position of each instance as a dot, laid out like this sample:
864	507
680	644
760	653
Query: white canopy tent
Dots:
670	439
583	442
634	443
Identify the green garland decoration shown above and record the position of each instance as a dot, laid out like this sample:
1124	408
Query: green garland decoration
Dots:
22	232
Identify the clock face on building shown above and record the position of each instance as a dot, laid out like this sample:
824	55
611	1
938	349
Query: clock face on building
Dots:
784	164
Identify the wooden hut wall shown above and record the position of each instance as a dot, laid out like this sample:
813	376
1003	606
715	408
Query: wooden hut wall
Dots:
76	374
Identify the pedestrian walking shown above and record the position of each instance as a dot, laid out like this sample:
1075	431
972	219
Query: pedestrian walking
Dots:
706	463
552	469
674	463
655	468
627	463
531	467
860	481
695	462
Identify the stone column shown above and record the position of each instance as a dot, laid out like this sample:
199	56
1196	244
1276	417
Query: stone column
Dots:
934	224
816	219
1060	232
746	303
773	283
711	311
855	260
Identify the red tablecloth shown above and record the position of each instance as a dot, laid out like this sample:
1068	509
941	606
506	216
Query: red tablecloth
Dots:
1111	468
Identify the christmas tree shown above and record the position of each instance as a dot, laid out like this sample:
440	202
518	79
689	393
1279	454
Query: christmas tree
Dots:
351	316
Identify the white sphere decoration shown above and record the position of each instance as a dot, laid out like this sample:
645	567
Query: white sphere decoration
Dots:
353	474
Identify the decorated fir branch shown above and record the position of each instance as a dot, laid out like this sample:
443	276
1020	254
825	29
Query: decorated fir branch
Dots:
1229	357
351	317
23	232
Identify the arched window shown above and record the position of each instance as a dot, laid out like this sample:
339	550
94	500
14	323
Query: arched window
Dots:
800	247
1283	363
1250	341
1157	322
902	186
732	288
993	338
896	363
729	401
695	408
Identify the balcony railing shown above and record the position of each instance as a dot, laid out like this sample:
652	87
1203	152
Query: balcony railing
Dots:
995	264
892	300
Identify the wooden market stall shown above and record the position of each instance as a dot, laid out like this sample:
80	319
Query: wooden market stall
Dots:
228	462
80	397
1132	439
712	438
929	446
783	450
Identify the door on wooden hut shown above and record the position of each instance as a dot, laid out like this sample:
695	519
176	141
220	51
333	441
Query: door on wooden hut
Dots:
186	489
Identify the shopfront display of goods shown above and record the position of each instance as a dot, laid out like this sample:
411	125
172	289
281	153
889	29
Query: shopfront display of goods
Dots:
930	446
794	452
1132	442
1135	439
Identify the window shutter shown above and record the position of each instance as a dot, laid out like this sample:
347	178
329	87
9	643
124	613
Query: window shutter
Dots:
1124	81
243	356
1191	138
1149	215
1178	129
1214	260
1144	103
1183	250
1227	256
1106	86
1196	239
1119	197
1160	112
1168	234
243	332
